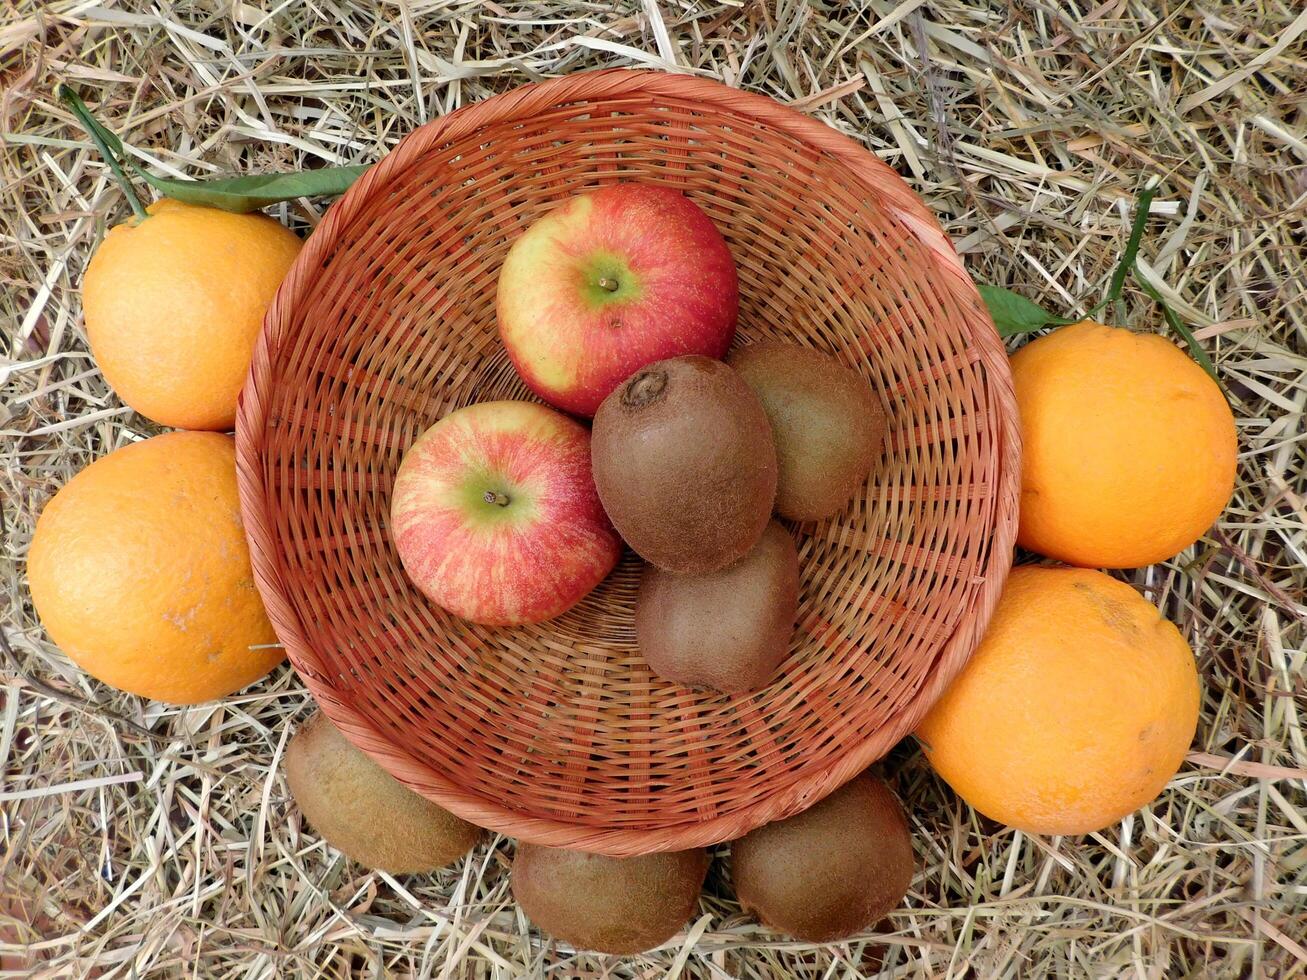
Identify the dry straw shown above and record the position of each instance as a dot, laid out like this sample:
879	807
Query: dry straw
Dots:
1027	127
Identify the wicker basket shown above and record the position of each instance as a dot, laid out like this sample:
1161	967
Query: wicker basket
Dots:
558	733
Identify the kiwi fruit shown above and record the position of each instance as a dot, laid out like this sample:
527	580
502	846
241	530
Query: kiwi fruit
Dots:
831	871
829	426
727	630
363	811
608	904
684	464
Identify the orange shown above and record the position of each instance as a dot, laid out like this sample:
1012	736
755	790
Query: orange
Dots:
173	305
1075	710
140	572
1128	447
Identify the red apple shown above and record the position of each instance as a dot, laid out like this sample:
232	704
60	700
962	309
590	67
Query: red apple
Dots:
495	514
611	281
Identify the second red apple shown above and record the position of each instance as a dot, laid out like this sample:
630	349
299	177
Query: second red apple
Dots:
611	281
495	515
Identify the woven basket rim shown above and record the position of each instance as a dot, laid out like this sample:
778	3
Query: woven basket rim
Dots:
891	192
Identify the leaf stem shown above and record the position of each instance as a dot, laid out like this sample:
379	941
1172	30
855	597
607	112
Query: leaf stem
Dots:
93	130
1142	205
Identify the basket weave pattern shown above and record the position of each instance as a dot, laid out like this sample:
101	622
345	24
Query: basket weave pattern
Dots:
558	733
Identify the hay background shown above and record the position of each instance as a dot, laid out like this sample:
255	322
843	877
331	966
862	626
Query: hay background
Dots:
142	840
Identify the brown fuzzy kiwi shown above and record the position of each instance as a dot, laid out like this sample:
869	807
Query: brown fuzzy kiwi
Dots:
830	871
727	630
362	810
608	904
828	425
684	464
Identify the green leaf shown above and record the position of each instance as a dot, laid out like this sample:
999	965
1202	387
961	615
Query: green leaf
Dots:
240	194
1176	324
1014	314
256	190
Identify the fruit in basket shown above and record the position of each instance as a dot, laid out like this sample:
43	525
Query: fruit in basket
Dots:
1128	450
727	630
1076	709
363	811
174	302
495	515
608	904
828	425
684	464
608	282
831	871
139	570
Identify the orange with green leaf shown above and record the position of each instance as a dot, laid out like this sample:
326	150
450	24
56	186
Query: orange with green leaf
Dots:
1128	446
174	297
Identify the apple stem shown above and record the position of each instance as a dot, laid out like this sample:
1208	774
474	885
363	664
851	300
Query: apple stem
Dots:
608	284
495	497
